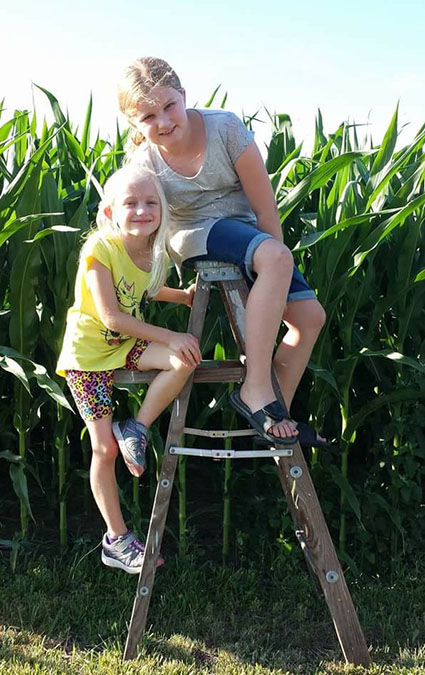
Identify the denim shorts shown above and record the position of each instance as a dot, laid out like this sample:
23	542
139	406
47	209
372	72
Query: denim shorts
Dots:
234	241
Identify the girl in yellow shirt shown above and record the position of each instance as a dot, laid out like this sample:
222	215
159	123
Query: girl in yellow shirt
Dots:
122	264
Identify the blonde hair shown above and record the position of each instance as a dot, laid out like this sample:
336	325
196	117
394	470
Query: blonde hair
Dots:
136	84
157	239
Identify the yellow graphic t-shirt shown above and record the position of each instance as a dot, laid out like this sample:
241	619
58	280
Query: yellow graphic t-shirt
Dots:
88	344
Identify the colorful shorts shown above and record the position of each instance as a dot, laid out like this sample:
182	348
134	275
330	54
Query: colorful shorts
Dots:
92	390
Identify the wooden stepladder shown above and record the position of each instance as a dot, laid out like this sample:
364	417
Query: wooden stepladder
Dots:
310	526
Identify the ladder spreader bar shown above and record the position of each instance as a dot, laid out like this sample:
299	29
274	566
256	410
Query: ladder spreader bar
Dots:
220	433
230	454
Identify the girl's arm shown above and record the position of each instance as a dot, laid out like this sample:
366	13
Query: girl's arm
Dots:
258	190
176	295
101	286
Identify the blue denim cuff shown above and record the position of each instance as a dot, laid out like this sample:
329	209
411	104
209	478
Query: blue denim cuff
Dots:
252	247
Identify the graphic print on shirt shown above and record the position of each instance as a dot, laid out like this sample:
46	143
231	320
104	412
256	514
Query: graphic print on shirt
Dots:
125	294
112	337
126	298
144	302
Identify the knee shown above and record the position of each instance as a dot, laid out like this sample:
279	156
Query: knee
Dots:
181	368
305	318
272	256
106	451
313	320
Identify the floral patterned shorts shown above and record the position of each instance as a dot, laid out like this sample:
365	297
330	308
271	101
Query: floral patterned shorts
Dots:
92	390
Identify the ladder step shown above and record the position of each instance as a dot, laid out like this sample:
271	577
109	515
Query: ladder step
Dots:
230	454
230	370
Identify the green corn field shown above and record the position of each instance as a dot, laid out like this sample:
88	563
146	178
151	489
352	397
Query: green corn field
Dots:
353	213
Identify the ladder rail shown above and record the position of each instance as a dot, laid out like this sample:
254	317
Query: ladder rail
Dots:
307	514
164	487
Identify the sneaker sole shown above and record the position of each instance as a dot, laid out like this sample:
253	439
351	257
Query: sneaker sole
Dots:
135	469
112	562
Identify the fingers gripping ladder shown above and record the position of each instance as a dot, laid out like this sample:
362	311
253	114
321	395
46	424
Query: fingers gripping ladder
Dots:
309	523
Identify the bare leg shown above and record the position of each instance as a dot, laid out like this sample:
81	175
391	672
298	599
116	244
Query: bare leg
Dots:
273	265
102	474
161	392
305	320
166	385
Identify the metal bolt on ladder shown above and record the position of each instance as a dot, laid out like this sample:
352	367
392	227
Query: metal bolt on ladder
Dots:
309	523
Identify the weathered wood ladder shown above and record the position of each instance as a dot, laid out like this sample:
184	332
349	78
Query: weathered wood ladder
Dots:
310	526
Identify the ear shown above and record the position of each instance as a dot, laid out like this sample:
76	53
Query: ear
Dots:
183	93
107	211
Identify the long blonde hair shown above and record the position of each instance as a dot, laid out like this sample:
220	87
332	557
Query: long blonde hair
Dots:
157	240
138	80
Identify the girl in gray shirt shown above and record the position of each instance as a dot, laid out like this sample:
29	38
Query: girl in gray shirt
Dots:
222	208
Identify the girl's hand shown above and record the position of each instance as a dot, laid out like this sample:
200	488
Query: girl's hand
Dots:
186	346
189	293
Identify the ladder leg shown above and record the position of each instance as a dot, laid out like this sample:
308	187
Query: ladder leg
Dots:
164	488
310	525
318	548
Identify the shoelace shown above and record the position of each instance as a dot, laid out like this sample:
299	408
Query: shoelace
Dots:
137	546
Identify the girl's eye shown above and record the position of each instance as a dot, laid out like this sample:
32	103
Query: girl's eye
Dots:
148	118
169	105
153	203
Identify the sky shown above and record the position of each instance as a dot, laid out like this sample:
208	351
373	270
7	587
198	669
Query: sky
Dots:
354	61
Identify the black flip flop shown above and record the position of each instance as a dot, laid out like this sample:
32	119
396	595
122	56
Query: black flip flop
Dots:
263	418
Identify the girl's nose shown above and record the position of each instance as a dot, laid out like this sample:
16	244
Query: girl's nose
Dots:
139	211
162	122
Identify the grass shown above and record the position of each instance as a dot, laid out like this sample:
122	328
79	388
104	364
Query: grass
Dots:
69	615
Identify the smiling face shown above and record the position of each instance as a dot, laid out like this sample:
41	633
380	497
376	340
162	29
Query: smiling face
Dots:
162	119
136	207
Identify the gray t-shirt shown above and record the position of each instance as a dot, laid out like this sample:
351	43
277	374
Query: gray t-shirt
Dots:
197	202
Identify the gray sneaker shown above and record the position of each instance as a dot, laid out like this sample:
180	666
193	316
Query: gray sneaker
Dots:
126	553
132	439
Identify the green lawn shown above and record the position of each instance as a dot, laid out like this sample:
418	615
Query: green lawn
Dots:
69	615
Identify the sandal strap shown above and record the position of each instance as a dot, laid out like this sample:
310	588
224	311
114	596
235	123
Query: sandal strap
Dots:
275	411
264	420
261	420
